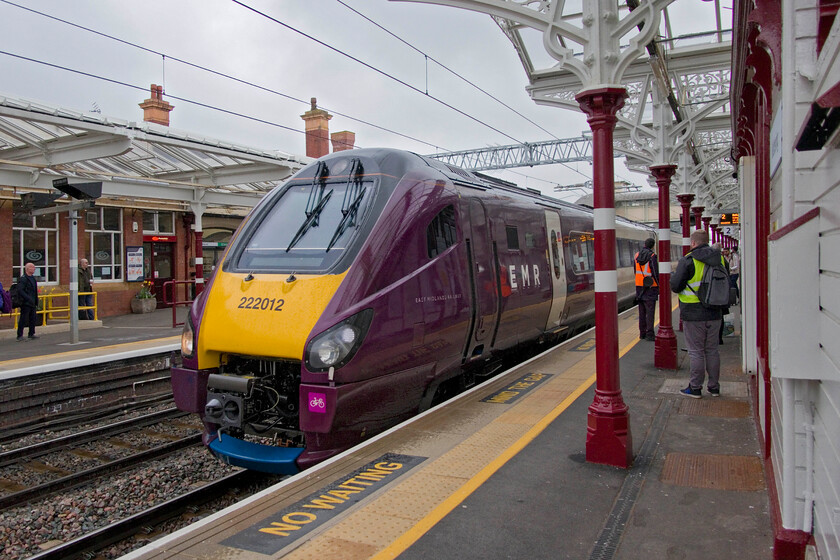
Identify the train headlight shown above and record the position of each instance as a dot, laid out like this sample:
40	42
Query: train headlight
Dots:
187	338
337	345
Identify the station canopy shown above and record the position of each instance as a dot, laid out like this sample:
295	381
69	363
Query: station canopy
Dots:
678	107
141	165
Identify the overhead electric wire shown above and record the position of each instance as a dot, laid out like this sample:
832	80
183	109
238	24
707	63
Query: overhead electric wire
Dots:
142	88
275	92
215	72
377	70
442	65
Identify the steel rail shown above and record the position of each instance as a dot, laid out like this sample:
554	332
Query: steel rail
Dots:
76	479
87	545
38	449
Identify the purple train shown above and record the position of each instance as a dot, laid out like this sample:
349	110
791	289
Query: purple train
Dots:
372	285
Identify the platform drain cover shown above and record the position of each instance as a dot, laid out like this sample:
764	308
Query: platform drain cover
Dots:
720	472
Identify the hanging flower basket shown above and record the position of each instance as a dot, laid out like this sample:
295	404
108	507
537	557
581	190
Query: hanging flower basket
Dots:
145	305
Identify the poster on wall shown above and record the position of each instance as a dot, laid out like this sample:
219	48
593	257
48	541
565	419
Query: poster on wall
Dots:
134	264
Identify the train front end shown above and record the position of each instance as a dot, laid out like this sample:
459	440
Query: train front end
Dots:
246	336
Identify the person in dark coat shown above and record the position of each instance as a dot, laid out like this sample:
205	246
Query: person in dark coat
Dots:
646	265
85	285
28	290
701	325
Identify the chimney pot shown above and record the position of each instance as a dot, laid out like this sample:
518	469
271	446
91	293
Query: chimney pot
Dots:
155	109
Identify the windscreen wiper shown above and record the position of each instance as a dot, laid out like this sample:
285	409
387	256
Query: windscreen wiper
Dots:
353	196
311	220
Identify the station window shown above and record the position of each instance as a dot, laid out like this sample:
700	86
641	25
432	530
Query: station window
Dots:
35	240
103	230
158	222
441	232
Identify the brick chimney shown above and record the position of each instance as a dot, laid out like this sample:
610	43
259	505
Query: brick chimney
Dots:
317	131
343	140
155	109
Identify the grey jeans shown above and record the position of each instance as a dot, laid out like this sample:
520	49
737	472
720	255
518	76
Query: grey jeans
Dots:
701	339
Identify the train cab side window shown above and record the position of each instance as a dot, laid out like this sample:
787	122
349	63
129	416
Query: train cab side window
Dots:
512	238
441	233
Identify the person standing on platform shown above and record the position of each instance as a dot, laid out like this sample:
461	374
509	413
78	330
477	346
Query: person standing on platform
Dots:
647	288
735	271
701	325
85	285
28	290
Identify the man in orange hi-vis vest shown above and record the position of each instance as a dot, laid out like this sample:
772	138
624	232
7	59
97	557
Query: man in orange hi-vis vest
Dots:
647	287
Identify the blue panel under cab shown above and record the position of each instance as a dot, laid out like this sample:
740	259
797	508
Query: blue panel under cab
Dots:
264	458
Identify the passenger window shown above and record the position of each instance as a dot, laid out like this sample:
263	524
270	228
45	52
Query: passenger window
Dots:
555	252
530	241
512	238
580	252
440	234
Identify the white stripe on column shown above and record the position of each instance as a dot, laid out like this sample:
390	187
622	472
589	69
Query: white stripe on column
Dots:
199	280
199	260
664	234
686	242
604	218
606	281
665	267
74	286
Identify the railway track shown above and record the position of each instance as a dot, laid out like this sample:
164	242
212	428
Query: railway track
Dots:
19	467
87	546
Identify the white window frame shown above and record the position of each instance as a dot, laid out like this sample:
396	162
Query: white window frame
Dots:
50	260
117	248
157	229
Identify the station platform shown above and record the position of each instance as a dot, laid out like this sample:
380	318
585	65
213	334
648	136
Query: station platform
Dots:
500	472
111	338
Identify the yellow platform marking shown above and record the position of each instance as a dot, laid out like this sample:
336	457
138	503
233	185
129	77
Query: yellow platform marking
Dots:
86	352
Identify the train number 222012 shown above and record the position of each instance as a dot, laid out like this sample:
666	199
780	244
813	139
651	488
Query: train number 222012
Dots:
261	304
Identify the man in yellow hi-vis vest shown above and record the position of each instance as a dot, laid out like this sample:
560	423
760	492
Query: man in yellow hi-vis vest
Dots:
647	287
701	324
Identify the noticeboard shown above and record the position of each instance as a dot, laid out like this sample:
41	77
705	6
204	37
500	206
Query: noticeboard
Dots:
134	263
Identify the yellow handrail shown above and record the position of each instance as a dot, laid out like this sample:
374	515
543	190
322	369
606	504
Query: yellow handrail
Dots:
51	310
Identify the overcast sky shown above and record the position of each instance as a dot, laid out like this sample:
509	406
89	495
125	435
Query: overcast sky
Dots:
230	39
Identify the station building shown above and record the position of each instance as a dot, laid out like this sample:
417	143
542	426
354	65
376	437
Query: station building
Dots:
170	200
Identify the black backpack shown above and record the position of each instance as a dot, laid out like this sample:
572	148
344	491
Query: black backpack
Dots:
17	301
714	291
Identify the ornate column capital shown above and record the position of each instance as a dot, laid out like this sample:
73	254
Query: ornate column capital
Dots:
685	200
601	105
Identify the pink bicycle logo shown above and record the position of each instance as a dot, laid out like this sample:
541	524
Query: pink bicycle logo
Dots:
317	402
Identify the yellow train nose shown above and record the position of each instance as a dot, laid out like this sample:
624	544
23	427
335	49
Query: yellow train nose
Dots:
265	315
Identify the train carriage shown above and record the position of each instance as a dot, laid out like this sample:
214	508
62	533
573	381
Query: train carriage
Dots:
370	286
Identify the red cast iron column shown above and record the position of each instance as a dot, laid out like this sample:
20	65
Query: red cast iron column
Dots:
608	439
665	350
714	237
698	216
685	202
706	222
